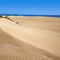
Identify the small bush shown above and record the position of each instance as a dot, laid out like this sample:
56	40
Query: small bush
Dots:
0	16
17	22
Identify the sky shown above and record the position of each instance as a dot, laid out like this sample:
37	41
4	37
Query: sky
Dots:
33	7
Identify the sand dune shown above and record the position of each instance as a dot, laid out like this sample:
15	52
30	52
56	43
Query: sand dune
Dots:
39	32
14	49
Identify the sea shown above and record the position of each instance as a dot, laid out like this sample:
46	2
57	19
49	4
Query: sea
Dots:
57	16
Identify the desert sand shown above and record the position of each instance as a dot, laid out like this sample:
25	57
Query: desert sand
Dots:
34	38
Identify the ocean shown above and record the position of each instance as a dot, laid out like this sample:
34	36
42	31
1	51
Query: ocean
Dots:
58	16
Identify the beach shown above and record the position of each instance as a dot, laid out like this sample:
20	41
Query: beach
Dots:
34	38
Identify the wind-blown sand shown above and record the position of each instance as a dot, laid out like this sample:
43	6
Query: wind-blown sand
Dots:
13	49
40	32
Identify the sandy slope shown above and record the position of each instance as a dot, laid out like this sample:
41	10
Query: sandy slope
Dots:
13	49
44	34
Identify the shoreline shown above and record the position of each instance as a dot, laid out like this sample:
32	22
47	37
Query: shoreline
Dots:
58	16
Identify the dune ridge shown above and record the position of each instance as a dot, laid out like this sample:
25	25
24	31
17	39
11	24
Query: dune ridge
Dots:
30	31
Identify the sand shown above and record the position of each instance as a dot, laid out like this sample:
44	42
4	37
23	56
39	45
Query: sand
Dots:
13	49
40	32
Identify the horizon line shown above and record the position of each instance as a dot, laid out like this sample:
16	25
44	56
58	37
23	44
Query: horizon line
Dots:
30	14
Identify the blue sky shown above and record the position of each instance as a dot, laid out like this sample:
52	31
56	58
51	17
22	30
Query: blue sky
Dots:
37	7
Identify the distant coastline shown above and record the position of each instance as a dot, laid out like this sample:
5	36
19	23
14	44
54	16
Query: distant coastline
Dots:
29	15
